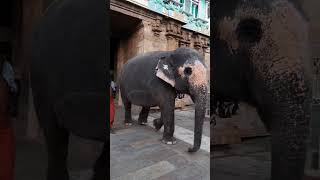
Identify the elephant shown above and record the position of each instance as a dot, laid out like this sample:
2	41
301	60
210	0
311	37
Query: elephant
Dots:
261	56
68	80
156	78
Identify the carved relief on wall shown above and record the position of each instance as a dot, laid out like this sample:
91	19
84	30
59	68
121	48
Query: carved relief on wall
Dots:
185	41
156	27
198	44
173	30
197	41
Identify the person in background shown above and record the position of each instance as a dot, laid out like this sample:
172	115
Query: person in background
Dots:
7	86
113	93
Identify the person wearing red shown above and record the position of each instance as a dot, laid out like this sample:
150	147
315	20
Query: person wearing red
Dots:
113	91
111	109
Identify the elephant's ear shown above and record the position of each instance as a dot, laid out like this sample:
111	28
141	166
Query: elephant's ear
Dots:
165	70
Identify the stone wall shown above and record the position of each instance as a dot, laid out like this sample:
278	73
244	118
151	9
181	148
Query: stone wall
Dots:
161	34
130	46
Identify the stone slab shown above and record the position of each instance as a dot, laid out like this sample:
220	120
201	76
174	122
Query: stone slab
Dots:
188	172
148	173
185	135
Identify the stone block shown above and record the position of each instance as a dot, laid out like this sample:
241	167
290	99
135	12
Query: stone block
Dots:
151	172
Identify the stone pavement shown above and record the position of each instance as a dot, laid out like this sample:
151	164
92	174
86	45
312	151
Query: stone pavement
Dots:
249	160
31	158
136	152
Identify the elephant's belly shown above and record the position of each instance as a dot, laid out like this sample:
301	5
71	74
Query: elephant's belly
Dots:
142	98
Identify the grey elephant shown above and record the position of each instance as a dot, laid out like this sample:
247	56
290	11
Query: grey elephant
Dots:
155	79
68	75
261	57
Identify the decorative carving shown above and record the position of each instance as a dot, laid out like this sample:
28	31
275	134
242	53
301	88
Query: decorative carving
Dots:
176	3
186	36
173	30
197	42
205	42
183	43
185	40
156	27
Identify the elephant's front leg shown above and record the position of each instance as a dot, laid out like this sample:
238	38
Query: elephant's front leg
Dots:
167	116
143	116
127	108
101	165
289	136
57	140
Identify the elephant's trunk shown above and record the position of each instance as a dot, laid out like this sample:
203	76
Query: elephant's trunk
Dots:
199	96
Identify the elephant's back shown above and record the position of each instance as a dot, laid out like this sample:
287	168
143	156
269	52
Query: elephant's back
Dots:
139	72
69	65
69	46
147	59
142	66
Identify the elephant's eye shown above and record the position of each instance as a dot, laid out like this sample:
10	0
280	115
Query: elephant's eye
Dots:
188	71
249	30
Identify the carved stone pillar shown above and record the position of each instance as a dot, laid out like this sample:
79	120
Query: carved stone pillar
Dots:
173	34
186	39
156	27
198	47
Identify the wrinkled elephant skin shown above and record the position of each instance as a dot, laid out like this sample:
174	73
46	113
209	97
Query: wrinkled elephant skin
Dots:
68	79
261	57
155	79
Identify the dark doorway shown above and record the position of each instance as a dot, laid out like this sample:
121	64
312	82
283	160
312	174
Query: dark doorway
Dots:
122	26
114	43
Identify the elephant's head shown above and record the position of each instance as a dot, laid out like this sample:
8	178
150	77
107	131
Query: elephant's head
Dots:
255	44
184	69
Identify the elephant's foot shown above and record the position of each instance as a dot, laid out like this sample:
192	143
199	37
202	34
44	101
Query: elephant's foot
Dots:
128	124
169	141
157	123
143	123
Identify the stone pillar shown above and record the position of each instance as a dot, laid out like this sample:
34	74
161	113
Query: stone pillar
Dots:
186	39
173	34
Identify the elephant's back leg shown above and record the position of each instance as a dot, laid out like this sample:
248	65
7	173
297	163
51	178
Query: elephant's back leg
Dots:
289	133
56	137
127	108
143	116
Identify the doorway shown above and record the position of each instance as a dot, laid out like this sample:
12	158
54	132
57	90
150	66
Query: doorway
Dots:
122	28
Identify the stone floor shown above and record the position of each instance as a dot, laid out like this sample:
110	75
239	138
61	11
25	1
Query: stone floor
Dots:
136	152
31	158
249	160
